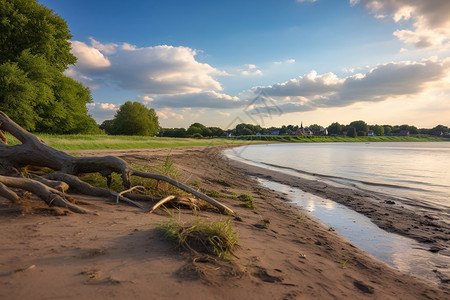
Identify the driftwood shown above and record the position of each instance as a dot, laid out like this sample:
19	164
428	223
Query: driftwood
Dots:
35	152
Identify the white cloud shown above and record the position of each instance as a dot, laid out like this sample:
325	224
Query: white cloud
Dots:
102	111
152	70
250	70
209	99
105	48
287	61
89	58
167	113
383	82
430	18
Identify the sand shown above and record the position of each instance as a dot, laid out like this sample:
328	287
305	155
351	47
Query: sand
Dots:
118	252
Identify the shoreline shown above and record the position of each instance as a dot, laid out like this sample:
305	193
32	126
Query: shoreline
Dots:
387	212
118	253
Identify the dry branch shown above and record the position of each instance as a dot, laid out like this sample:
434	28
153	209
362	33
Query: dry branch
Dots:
161	202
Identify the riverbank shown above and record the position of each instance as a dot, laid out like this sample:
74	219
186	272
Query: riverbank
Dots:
283	252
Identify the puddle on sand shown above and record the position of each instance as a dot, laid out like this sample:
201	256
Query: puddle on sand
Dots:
400	252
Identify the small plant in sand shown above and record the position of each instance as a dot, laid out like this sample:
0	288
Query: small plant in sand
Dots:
248	200
215	238
344	263
213	193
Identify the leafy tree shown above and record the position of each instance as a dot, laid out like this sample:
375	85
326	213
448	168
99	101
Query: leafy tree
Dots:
334	129
199	128
173	132
387	129
360	126
216	131
377	130
134	118
107	126
34	51
352	132
440	128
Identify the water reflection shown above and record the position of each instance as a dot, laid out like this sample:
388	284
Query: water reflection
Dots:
400	252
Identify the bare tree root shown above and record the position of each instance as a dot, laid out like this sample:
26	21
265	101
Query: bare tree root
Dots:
7	193
34	152
51	196
85	188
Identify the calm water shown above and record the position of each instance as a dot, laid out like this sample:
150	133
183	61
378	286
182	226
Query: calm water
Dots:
402	253
418	172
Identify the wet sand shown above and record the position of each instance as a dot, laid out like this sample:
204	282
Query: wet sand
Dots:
283	253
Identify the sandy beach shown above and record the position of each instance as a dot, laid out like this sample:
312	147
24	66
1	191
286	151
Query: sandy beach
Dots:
283	253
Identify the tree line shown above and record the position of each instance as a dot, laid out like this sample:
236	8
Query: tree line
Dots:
355	128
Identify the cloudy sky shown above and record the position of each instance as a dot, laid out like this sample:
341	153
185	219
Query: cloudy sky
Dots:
265	62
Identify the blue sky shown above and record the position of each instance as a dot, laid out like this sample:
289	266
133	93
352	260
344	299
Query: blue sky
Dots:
322	61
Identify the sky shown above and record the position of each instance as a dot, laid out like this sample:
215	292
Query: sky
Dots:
264	62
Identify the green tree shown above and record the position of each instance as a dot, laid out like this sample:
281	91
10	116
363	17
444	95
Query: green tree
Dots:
352	132
134	118
334	129
199	128
216	131
387	129
440	128
378	130
34	52
360	126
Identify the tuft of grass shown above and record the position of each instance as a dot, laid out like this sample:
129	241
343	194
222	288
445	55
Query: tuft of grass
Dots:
215	238
214	194
301	217
248	200
344	263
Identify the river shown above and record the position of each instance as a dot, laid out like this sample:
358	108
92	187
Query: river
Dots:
416	173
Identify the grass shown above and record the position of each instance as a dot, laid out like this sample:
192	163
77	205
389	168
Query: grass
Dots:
215	238
93	142
248	200
339	139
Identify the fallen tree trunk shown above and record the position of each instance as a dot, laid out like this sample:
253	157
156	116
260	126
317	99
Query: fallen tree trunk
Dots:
35	152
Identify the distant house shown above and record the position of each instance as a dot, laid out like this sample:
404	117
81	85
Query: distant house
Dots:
258	133
303	131
370	133
320	131
229	134
275	132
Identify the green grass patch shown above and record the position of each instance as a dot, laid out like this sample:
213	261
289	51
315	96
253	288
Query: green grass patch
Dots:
215	238
248	200
93	142
339	139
